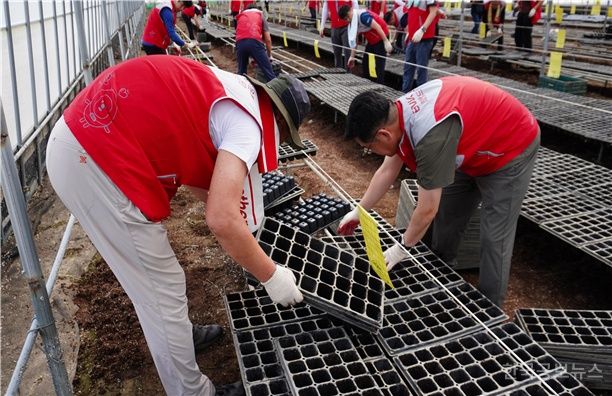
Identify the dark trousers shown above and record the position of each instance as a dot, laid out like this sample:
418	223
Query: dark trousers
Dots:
522	34
187	21
257	50
339	39
313	13
476	17
234	14
381	59
153	50
416	54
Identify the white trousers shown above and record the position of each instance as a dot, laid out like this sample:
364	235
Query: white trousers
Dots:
140	256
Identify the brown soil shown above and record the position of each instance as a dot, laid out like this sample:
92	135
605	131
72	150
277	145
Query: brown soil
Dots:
113	357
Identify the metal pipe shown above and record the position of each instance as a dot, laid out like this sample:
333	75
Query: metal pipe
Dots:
11	54
16	206
78	13
26	10
57	52
66	45
45	60
546	37
24	356
109	44
120	29
460	49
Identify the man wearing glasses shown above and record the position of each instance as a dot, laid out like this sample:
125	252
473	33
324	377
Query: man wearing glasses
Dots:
468	142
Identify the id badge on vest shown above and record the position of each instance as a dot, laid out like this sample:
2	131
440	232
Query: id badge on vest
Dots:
251	202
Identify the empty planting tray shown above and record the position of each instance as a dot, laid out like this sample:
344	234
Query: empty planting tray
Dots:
415	323
334	281
326	363
491	362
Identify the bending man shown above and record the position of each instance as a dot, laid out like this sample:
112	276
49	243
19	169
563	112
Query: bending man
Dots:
468	142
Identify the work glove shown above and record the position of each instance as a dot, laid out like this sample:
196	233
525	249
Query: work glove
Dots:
177	48
351	62
388	46
418	35
394	255
191	44
349	222
499	30
281	287
532	12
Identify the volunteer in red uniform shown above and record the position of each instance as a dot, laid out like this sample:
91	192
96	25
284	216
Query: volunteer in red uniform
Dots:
398	17
253	40
422	20
189	16
159	31
378	7
339	29
123	148
468	142
235	6
376	33
529	13
313	7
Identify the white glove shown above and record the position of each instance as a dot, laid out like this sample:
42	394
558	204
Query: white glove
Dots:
281	287
191	44
499	30
388	46
532	12
394	255
177	47
349	222
418	35
350	63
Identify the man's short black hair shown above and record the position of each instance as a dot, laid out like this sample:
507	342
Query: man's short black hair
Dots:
187	3
251	6
388	17
367	113
343	11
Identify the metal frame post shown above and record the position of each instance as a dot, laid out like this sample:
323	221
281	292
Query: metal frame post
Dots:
45	57
120	30
78	13
11	53
546	37
461	22
109	44
26	10
16	206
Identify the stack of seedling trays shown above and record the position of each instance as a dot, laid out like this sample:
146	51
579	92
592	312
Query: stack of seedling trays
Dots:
289	153
278	191
581	340
314	213
334	281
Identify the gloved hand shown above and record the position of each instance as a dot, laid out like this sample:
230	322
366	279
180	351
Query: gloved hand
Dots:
191	44
499	30
177	48
281	287
271	58
388	46
488	33
349	222
418	35
532	12
322	31
350	63
394	255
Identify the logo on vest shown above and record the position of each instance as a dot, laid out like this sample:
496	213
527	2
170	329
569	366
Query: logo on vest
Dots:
101	110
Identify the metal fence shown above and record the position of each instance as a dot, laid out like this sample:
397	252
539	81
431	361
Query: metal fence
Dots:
50	51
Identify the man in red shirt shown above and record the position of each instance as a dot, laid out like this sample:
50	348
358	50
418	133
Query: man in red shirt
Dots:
422	20
253	40
313	7
339	29
122	149
159	31
469	142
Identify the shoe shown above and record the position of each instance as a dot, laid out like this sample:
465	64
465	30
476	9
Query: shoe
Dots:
203	336
235	389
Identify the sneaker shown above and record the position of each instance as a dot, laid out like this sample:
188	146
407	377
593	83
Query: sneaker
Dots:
234	389
203	336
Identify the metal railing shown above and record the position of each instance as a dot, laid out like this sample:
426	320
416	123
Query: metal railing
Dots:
46	62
